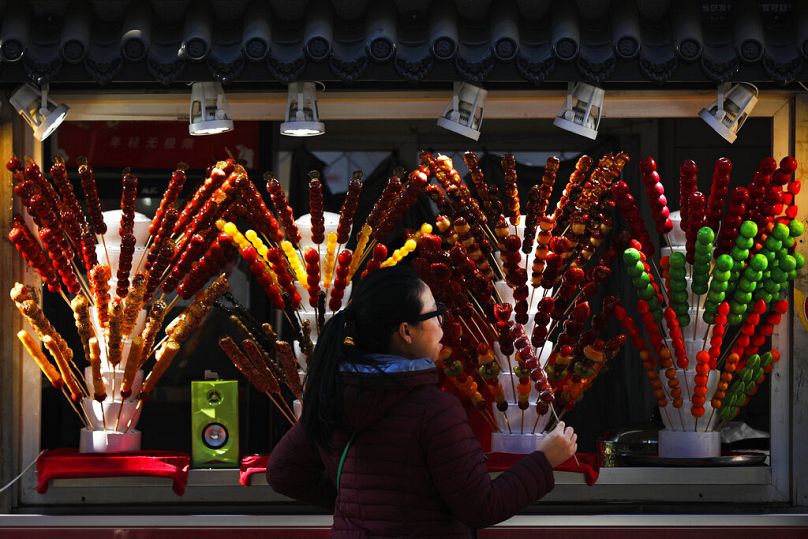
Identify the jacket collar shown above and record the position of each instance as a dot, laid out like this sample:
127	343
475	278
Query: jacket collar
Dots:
388	364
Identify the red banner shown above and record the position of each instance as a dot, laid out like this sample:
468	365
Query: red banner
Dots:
153	145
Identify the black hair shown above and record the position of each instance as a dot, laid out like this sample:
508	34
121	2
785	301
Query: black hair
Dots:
379	304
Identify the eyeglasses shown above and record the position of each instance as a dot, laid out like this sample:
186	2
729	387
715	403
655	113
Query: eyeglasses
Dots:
439	312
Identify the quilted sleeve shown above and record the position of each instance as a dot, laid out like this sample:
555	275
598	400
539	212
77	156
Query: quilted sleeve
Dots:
296	470
457	465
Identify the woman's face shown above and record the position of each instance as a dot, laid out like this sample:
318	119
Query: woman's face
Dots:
426	335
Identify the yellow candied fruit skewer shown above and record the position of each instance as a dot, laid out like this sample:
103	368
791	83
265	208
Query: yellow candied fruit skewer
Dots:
330	259
231	230
399	254
242	240
294	261
359	252
426	228
258	243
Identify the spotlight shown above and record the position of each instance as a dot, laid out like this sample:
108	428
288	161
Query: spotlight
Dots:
302	118
43	115
733	106
582	110
210	113
464	113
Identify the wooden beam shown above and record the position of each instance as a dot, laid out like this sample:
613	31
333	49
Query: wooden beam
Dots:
400	105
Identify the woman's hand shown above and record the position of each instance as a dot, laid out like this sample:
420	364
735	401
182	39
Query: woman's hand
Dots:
559	445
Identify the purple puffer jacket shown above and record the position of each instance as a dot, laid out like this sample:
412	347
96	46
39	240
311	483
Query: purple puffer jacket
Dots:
415	468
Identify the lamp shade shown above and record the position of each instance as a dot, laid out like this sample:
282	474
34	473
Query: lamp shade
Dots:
302	117
464	113
732	107
210	112
43	115
582	110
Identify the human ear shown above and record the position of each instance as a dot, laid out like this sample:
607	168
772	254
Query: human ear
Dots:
404	332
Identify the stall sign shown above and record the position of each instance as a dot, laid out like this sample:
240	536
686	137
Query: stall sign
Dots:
153	145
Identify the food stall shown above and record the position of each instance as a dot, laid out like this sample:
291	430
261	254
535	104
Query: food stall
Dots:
640	75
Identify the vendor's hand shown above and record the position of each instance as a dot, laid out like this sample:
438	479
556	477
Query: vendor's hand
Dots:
559	445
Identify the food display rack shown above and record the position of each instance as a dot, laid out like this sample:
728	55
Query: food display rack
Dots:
769	500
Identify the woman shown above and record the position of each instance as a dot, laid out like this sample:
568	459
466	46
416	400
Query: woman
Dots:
413	466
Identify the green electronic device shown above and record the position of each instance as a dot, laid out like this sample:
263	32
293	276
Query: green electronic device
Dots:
214	424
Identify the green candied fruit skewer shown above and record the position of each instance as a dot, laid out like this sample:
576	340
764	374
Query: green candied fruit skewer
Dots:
642	281
718	287
781	263
678	297
785	264
748	230
796	228
701	260
739	303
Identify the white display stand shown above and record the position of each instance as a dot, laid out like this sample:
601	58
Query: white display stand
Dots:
306	311
520	444
521	422
686	436
100	441
114	411
676	236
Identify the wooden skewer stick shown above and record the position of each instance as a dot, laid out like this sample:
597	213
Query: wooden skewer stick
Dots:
86	415
513	384
291	323
154	348
106	253
283	412
681	419
704	346
665	410
470	331
507	423
289	408
129	424
114	369
491	419
73	405
80	381
85	288
172	303
728	351
530	301
369	248
535	424
668	241
118	419
710	419
143	255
